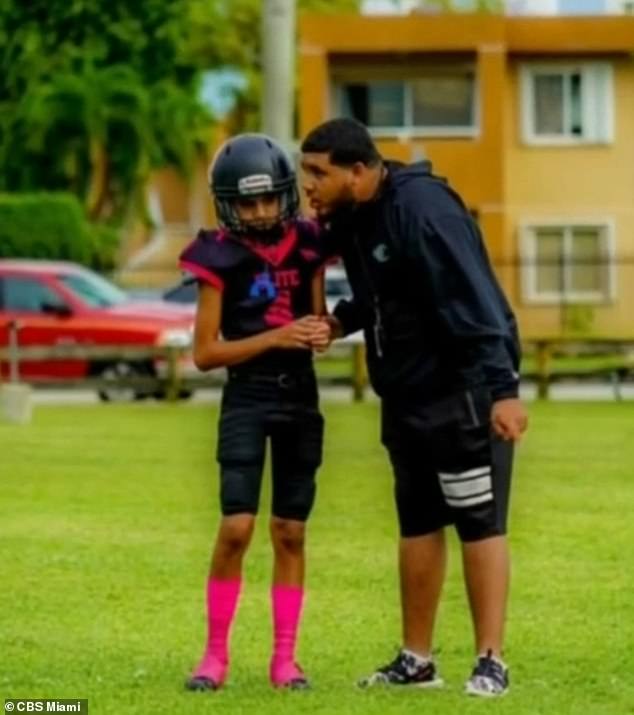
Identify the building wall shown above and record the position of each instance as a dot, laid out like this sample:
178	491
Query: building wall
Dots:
574	183
503	180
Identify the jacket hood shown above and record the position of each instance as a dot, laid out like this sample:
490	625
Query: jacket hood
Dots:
402	173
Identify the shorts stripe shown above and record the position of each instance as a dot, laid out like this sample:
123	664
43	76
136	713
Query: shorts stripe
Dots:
468	474
467	487
471	501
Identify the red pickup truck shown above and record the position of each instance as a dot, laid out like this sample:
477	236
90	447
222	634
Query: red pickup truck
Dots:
57	303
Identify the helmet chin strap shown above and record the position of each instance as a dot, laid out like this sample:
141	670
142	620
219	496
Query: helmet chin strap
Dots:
265	235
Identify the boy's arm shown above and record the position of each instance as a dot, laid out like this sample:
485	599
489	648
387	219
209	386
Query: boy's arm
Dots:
211	352
318	291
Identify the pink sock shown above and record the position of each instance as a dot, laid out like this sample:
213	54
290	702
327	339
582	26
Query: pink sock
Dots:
287	607
222	599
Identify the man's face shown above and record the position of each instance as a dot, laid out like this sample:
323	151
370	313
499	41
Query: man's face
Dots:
259	212
327	186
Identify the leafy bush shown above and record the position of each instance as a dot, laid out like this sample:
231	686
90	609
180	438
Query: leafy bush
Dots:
53	226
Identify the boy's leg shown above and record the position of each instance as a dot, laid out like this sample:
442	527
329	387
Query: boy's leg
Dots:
296	447
287	597
223	591
241	448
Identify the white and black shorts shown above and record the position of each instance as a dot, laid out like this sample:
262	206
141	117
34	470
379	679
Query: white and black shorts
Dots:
449	467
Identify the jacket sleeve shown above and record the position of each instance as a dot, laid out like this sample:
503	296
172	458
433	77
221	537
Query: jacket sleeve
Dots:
349	315
472	311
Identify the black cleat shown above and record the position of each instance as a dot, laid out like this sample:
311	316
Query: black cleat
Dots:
201	683
296	680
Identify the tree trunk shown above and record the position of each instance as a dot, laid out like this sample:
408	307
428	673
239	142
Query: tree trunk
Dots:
98	188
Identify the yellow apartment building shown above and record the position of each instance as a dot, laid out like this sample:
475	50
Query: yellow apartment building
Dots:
532	121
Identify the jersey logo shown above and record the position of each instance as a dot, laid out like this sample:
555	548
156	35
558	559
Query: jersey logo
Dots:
262	286
381	253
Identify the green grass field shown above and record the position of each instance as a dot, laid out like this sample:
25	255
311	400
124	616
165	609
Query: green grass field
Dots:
106	520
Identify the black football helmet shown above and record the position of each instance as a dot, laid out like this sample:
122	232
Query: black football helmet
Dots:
251	165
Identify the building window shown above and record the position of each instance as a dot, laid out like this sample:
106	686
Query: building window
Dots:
567	104
568	263
435	104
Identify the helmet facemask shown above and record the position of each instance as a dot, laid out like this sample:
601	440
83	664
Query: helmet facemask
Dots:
268	230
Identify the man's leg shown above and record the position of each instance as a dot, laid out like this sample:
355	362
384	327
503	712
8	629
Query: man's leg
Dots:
422	516
475	476
422	562
487	573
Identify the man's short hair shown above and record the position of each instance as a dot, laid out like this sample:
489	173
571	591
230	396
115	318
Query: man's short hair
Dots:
346	141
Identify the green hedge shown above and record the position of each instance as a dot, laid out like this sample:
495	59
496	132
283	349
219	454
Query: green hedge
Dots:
104	245
53	226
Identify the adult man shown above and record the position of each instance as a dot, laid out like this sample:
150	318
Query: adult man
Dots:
443	354
261	286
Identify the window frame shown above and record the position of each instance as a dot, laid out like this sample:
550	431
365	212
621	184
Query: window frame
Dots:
415	130
591	131
529	269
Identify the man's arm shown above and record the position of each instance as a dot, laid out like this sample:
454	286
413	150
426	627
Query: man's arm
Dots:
347	317
457	276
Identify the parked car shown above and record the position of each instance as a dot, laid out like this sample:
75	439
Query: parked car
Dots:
58	303
183	293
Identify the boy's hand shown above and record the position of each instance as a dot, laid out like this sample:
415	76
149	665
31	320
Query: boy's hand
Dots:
298	334
321	336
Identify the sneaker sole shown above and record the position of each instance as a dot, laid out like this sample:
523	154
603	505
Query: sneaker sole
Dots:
470	690
431	685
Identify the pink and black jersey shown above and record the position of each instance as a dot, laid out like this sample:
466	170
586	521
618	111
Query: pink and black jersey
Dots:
263	286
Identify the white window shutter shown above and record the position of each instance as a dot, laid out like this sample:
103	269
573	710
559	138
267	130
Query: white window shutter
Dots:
527	104
598	102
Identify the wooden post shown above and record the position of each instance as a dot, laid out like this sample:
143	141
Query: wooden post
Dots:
173	374
543	357
14	352
359	376
15	398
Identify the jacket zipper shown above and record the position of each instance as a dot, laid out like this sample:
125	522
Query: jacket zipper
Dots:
472	409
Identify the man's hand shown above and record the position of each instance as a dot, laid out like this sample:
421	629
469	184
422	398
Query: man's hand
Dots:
321	336
509	419
298	334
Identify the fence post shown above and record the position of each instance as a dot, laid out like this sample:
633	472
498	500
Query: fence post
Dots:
173	374
359	377
543	356
15	398
14	353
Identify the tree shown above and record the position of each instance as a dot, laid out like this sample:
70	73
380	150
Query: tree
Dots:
227	33
93	95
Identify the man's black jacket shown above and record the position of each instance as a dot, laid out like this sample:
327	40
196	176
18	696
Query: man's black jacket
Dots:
434	316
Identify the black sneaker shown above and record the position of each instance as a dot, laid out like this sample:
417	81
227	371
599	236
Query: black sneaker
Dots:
490	677
404	670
